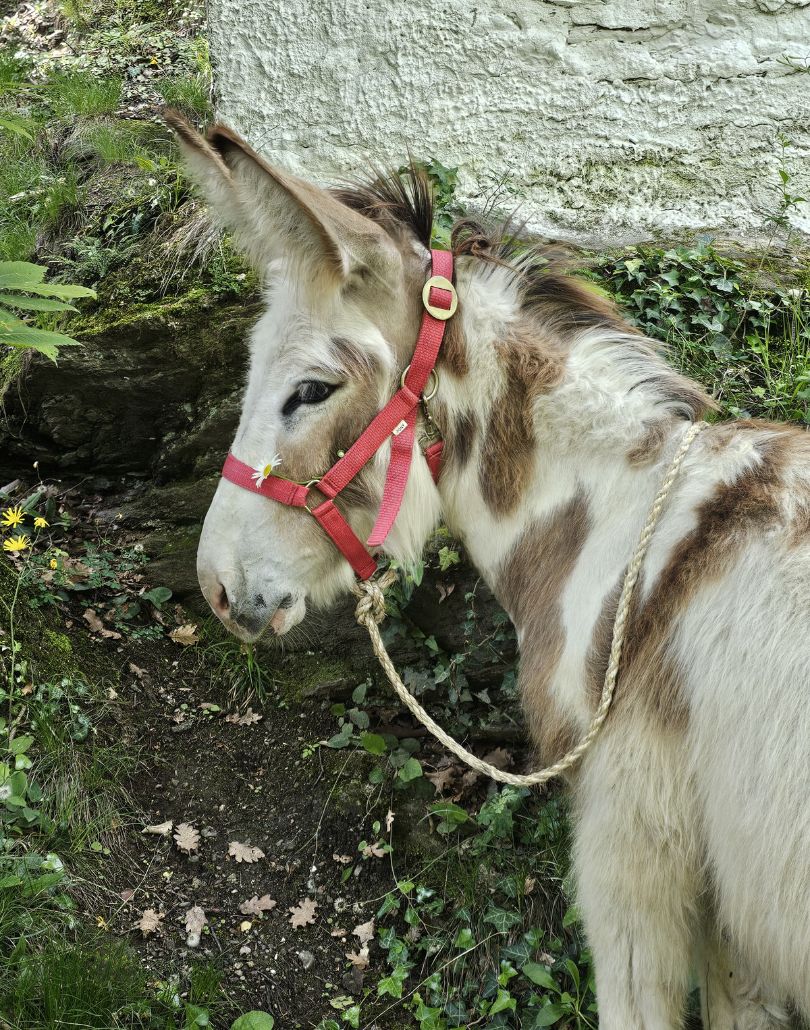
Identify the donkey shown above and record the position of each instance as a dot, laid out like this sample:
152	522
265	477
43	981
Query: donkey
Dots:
692	810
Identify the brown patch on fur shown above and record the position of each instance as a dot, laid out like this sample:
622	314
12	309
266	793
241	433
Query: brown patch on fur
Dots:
529	586
542	276
648	448
648	674
509	444
459	440
725	522
354	360
453	353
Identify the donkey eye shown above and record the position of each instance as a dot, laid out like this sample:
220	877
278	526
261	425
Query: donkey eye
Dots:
311	391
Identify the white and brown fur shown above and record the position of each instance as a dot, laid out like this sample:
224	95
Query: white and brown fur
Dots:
692	811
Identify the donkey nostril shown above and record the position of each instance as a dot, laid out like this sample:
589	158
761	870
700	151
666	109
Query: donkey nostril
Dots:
221	602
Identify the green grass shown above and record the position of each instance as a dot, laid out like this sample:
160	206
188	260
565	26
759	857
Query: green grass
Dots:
82	94
188	94
89	981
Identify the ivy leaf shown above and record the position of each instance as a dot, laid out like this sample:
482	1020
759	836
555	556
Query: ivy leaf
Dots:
373	743
411	770
541	976
501	919
254	1021
548	1016
503	1002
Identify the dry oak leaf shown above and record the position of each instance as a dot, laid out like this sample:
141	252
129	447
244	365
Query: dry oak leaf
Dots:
341	859
364	932
185	635
244	852
248	718
303	913
500	758
374	851
186	837
162	829
359	959
150	922
97	626
195	921
442	778
256	905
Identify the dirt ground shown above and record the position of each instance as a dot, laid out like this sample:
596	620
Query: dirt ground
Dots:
247	784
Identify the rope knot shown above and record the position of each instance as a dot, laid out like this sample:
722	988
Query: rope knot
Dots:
370	604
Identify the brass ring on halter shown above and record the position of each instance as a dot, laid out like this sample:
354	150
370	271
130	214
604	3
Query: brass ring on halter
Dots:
434	375
441	283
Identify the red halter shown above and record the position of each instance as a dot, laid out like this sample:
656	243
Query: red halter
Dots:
397	420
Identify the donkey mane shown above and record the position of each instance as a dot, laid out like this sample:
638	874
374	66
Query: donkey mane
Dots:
552	299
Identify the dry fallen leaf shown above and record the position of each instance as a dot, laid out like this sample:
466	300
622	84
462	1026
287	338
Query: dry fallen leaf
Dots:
127	895
374	851
185	635
364	932
341	859
442	779
244	852
338	932
529	884
136	670
500	758
303	913
150	922
389	821
97	626
186	837
162	829
256	905
195	921
358	959
248	718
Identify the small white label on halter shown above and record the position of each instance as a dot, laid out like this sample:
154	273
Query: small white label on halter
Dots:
400	428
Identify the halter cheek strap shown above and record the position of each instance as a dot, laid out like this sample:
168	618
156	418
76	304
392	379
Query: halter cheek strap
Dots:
396	420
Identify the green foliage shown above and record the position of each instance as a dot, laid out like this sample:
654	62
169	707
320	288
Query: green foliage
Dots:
254	1021
746	338
20	279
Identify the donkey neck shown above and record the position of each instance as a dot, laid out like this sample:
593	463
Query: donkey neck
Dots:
556	442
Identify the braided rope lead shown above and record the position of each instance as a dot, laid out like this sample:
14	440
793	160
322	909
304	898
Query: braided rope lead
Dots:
371	611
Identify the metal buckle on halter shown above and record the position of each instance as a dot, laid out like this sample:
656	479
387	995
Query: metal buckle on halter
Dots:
309	486
433	374
441	283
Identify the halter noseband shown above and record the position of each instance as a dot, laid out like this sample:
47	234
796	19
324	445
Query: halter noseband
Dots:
397	420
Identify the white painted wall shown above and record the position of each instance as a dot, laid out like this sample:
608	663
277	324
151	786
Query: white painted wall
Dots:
603	119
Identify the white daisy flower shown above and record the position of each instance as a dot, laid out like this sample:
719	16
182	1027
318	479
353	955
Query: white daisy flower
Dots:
261	472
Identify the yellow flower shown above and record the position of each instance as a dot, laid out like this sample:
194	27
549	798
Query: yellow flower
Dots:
40	523
54	564
16	543
12	516
102	923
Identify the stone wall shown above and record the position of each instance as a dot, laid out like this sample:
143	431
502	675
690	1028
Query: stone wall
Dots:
604	120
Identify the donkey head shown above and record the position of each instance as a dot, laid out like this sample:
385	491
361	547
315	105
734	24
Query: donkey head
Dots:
343	310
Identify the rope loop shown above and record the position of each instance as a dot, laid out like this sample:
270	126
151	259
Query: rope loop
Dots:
370	612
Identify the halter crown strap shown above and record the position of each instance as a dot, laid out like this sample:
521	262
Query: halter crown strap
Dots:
396	420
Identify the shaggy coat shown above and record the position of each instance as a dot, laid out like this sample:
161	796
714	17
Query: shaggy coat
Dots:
692	810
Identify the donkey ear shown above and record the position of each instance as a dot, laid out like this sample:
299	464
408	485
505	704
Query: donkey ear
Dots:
270	211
